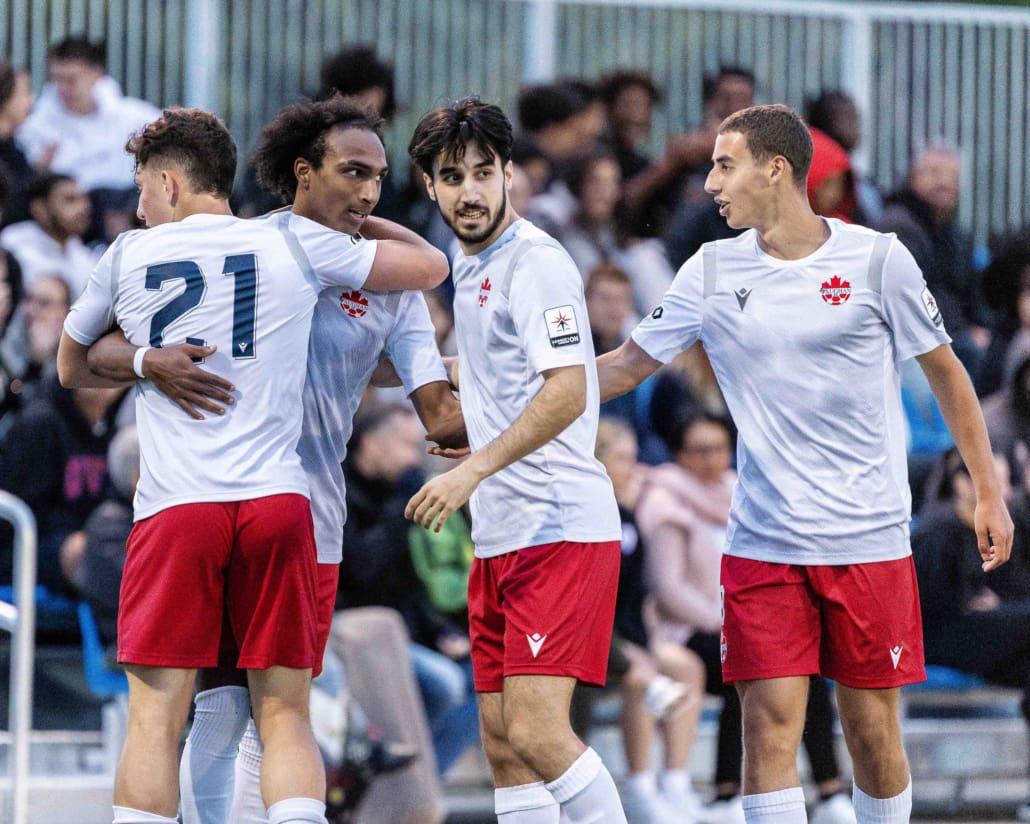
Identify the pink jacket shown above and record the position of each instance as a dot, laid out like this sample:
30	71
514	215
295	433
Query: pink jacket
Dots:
683	522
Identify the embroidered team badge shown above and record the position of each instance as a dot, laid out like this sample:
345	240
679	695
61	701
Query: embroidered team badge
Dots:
484	292
354	304
931	308
561	326
835	291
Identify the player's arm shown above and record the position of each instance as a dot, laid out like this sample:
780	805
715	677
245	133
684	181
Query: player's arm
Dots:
440	414
559	402
624	369
961	410
404	259
73	367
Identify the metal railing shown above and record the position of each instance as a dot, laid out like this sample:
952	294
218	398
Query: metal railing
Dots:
919	71
19	619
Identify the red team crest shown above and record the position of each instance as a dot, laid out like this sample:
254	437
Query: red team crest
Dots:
835	291
354	304
484	292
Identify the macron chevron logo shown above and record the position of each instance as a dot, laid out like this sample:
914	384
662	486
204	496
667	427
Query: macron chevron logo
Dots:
896	655
536	640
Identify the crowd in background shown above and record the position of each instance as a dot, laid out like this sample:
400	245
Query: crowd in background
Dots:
628	220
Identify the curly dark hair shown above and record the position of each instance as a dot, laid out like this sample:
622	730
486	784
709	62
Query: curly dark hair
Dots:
449	129
196	141
299	130
355	69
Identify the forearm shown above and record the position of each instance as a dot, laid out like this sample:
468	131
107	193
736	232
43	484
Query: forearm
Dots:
434	402
112	356
379	228
75	369
623	370
559	402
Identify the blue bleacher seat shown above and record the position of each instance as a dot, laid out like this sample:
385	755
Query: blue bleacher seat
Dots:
103	681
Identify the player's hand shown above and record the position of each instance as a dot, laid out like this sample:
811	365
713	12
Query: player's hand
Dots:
173	371
450	436
439	498
993	532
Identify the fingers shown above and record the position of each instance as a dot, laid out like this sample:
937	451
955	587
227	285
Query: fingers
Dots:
428	510
185	406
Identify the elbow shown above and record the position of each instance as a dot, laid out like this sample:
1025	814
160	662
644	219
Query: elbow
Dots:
437	268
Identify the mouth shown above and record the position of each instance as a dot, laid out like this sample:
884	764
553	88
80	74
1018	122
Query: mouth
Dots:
357	214
471	213
723	207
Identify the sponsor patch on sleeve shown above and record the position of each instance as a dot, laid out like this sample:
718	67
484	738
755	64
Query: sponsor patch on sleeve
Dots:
562	329
931	308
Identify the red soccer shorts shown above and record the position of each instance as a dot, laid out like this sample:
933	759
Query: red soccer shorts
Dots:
257	558
543	610
858	624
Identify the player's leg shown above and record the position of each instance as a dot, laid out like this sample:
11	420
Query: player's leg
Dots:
773	711
679	725
208	763
520	796
147	774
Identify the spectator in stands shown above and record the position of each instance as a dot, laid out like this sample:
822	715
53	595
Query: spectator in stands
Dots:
81	122
835	113
831	183
99	574
51	241
382	472
15	169
972	621
661	683
1007	411
10	379
595	231
683	512
629	98
54	457
29	346
1006	290
923	214
677	177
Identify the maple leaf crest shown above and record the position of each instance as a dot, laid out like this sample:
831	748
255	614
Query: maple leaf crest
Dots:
484	292
354	304
835	291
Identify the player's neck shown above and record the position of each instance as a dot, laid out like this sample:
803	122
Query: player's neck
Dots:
793	232
201	204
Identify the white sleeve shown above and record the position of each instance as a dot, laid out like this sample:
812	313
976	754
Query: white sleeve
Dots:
548	309
92	314
909	309
675	324
411	344
336	259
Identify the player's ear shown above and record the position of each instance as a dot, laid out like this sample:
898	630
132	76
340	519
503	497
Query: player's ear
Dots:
302	171
509	171
429	186
172	187
779	168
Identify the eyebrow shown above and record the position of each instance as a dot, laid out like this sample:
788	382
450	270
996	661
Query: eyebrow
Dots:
358	164
723	158
454	167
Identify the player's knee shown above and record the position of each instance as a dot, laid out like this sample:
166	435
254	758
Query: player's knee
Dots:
527	738
871	743
635	681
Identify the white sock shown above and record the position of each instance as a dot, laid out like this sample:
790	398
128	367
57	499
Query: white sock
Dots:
895	810
247	804
587	793
642	783
675	782
525	804
127	815
297	811
779	807
206	768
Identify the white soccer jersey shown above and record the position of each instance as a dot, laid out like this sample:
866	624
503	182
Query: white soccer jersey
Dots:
806	353
351	330
519	311
248	287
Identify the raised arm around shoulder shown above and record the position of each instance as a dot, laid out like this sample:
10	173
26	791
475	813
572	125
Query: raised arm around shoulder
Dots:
624	369
961	410
73	368
404	259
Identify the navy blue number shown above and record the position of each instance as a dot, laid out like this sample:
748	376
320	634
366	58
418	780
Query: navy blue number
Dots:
243	268
185	270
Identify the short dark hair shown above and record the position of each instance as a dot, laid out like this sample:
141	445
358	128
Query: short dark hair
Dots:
774	130
80	47
545	104
195	140
612	85
299	130
678	431
821	111
449	130
41	185
710	82
372	417
605	271
355	69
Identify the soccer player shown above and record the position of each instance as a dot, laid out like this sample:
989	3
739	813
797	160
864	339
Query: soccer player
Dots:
805	320
221	507
544	519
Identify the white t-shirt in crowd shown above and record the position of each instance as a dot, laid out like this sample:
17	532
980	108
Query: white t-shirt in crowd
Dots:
248	287
519	311
806	353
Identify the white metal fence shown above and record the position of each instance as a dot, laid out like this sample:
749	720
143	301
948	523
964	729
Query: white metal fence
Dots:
920	71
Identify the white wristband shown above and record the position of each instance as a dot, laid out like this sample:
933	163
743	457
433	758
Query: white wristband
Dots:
137	360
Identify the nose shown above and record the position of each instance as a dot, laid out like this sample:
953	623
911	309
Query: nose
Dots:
710	185
370	191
